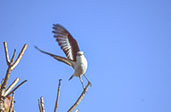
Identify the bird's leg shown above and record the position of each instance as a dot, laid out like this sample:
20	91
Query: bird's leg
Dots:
81	82
71	77
87	79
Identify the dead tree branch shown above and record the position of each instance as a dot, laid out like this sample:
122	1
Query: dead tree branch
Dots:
12	59
77	110
19	57
6	53
80	98
11	66
16	87
57	98
11	86
2	82
12	104
41	104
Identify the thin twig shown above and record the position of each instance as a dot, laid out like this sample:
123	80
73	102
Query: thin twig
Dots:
6	53
16	87
57	98
12	59
11	86
2	82
77	110
40	109
80	98
12	104
19	57
41	104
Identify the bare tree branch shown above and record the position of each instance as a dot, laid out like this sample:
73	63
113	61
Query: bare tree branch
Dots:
11	66
77	110
6	53
19	57
16	87
12	104
2	104
5	81
12	59
11	86
41	104
57	99
2	82
80	98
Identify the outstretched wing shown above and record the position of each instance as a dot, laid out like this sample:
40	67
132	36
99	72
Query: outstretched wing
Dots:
59	58
65	40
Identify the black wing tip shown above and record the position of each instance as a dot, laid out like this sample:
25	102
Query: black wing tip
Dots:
57	26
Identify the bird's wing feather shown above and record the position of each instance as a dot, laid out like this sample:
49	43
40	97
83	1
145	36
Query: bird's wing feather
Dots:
59	58
65	40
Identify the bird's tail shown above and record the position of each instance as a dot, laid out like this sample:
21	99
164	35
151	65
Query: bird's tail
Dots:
59	58
71	77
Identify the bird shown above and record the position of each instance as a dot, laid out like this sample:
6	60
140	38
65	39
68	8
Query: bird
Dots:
74	56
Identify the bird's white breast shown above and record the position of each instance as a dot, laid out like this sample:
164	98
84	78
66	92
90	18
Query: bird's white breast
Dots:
81	65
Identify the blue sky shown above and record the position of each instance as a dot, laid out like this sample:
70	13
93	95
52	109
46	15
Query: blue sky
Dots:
126	42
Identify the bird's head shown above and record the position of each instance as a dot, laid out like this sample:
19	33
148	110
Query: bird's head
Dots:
80	53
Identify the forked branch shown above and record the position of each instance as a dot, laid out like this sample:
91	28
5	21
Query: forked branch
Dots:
11	86
19	56
41	102
80	98
4	93
12	59
11	66
16	87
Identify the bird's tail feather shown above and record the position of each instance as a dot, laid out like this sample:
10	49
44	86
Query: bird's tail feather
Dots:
42	50
59	58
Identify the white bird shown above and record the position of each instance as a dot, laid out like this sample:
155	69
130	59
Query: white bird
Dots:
74	57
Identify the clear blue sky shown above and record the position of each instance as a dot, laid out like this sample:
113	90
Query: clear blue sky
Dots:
127	44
